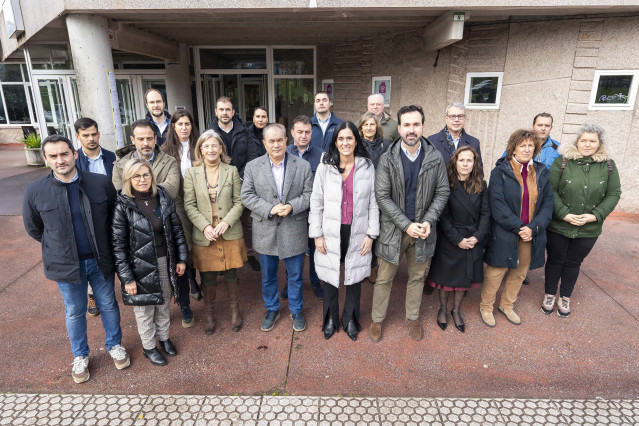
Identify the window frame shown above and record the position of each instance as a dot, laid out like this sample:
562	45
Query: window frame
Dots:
632	93
26	85
491	106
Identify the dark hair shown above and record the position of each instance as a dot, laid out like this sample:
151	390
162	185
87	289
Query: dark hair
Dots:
172	144
153	90
475	182
84	123
141	123
409	108
57	138
224	99
260	107
303	119
542	114
321	92
332	154
519	136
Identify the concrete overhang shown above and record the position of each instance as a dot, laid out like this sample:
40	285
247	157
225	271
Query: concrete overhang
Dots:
273	22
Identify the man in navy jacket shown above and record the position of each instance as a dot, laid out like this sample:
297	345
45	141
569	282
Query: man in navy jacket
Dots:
323	122
95	159
453	136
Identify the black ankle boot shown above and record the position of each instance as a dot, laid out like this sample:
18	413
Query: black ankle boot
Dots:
155	356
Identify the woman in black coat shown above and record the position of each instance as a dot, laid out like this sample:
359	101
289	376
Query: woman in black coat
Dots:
463	226
370	130
521	203
150	251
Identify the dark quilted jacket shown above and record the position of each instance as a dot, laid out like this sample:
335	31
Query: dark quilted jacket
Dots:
134	249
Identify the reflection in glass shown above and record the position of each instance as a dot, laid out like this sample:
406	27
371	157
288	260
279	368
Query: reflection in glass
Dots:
53	104
235	59
483	90
127	108
10	73
293	61
76	97
293	97
613	89
50	57
16	101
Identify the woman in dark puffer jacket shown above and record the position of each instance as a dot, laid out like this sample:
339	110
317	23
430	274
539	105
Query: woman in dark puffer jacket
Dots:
150	251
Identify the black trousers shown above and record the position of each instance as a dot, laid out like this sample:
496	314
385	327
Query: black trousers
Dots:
353	292
565	256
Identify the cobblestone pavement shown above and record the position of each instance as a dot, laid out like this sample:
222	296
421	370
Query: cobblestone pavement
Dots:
57	409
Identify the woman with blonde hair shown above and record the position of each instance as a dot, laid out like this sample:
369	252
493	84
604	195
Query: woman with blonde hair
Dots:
213	205
370	130
150	253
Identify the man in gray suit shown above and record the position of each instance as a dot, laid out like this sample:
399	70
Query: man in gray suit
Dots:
277	190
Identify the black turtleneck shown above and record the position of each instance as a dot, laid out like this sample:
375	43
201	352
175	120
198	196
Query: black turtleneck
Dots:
150	206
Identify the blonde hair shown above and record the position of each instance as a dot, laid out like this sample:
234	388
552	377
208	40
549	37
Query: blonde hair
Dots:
378	126
132	167
210	134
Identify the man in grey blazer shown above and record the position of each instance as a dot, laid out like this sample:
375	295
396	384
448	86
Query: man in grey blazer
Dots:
277	190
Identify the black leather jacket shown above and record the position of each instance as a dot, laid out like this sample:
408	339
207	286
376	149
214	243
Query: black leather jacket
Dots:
134	249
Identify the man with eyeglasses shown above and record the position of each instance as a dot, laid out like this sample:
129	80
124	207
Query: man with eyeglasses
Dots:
157	116
69	212
168	175
453	136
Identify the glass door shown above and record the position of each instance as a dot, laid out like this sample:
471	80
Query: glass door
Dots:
253	95
54	94
127	106
210	93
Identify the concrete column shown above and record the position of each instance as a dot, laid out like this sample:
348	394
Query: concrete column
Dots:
178	82
91	51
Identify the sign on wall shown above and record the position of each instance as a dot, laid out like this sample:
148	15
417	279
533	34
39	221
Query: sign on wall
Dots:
382	85
328	86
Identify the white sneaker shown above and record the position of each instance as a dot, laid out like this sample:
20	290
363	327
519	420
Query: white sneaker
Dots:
548	304
563	307
80	370
120	357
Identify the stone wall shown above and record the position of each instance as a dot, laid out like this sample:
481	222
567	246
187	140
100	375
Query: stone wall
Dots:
548	66
10	135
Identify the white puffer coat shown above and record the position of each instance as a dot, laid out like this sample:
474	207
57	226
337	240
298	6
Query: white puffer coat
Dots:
325	220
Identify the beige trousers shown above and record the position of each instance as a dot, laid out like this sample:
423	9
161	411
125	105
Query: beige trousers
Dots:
494	275
154	320
414	287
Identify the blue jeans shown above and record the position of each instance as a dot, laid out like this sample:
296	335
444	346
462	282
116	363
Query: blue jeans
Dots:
294	268
75	308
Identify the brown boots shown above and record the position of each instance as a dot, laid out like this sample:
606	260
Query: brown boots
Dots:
208	293
236	317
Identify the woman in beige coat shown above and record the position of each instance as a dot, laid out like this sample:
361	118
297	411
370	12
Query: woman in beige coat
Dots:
212	203
344	221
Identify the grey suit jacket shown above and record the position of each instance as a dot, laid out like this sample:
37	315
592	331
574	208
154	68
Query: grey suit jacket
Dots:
278	236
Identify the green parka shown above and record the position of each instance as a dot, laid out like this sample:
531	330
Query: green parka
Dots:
586	186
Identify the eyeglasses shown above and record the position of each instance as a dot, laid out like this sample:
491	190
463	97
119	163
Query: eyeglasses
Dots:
155	102
457	117
137	178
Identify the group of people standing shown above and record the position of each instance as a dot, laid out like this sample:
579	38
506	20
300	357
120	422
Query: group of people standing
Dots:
355	198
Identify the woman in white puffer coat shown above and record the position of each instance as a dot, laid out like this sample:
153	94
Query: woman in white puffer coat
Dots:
344	221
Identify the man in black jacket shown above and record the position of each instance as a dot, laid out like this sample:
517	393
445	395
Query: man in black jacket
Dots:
158	117
69	213
453	136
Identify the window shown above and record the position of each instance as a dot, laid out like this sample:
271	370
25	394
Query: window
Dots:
483	90
16	102
614	90
233	59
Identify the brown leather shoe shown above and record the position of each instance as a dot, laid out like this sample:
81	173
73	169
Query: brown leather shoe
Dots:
414	329
375	332
373	276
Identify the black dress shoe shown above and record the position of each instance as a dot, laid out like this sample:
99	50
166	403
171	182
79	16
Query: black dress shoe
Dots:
329	329
168	347
460	327
526	281
155	356
442	325
351	330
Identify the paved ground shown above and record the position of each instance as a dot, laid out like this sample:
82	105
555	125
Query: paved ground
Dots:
592	354
20	409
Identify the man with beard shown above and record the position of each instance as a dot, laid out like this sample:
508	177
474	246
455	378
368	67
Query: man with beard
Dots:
157	116
411	187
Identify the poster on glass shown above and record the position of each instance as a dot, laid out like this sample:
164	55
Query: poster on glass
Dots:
382	85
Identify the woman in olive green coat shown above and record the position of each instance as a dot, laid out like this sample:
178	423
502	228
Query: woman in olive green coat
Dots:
586	186
213	204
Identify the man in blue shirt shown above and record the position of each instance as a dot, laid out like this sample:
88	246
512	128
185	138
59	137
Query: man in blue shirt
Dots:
323	122
95	159
301	147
